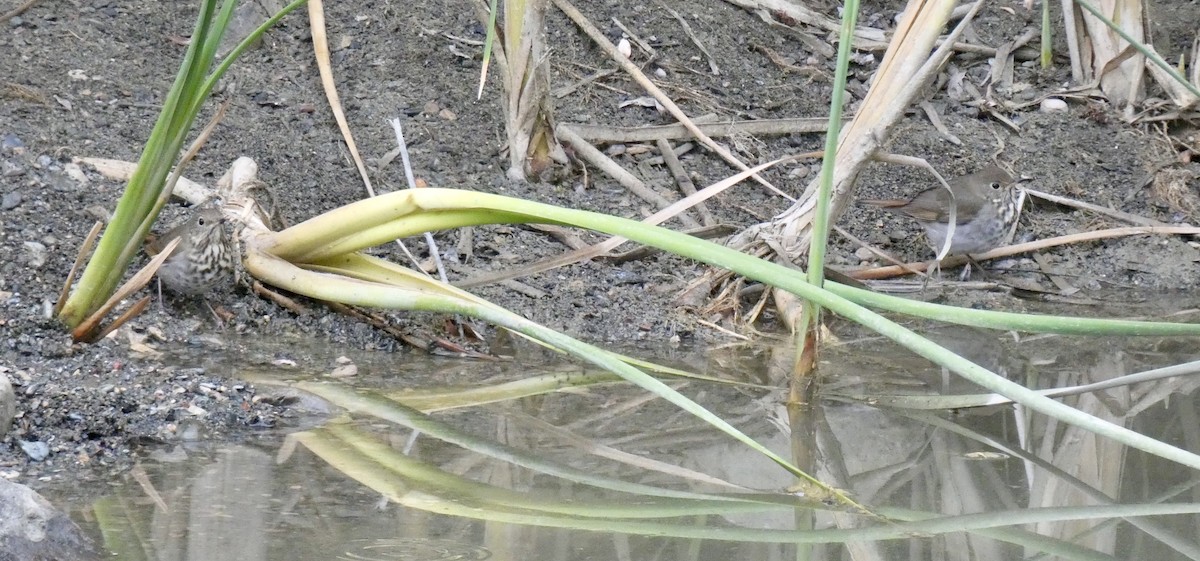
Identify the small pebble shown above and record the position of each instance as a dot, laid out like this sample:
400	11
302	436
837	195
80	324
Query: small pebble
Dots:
1053	105
864	253
75	172
37	254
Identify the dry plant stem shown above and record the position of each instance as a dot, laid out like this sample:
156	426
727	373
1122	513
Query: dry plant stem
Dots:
1022	54
1065	288
636	39
1002	67
515	286
936	120
1071	14
682	179
756	310
136	309
379	323
879	253
818	46
585	150
521	53
636	73
722	330
18	10
412	184
186	189
811	72
561	234
677	151
1122	84
282	301
316	19
1088	90
887	272
864	37
603	133
564	91
1195	77
906	68
687	30
1112	213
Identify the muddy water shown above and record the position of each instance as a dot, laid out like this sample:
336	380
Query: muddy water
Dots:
271	497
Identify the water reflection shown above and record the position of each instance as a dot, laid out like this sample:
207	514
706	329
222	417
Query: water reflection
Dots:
603	472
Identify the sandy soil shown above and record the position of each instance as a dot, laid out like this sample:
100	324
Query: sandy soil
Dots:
86	78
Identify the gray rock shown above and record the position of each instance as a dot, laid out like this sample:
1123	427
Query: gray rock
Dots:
31	529
36	450
10	169
10	200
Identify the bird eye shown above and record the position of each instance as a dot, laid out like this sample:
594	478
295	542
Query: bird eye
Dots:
202	221
995	186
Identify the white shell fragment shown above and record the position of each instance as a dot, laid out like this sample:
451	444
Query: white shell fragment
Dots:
1053	105
624	47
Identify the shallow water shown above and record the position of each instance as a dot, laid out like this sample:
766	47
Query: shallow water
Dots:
316	497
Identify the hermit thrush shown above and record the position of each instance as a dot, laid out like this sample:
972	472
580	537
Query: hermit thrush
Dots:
203	257
986	208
